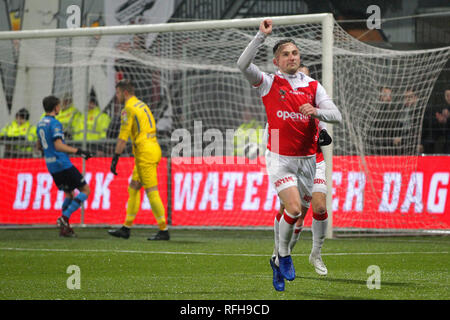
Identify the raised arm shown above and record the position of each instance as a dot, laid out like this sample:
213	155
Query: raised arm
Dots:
244	63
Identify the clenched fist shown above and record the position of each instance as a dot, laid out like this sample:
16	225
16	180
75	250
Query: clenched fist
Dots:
266	26
308	110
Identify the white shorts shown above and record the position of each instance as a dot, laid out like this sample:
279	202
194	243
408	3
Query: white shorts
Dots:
320	181
285	172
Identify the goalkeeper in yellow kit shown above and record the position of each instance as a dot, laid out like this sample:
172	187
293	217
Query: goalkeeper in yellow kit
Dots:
138	124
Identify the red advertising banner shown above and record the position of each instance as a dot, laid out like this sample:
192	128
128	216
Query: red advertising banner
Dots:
212	194
29	195
241	195
395	197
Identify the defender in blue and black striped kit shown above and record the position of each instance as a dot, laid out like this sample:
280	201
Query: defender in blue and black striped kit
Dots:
65	175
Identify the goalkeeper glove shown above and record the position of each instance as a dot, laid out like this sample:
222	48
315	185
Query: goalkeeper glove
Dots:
114	162
324	138
84	154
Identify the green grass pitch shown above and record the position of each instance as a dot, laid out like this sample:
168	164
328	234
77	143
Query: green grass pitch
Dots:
199	264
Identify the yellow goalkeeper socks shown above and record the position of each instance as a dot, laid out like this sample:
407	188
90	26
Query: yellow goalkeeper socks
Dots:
134	201
158	209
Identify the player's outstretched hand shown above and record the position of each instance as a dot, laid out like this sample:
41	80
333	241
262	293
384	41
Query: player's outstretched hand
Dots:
114	162
324	138
84	154
266	26
308	110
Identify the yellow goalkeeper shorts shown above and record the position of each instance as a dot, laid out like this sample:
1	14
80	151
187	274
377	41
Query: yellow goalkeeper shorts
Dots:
146	160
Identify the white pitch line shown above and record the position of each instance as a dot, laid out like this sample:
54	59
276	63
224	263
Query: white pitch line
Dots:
216	254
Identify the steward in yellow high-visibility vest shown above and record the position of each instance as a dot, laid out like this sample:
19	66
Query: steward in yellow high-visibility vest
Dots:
20	129
97	123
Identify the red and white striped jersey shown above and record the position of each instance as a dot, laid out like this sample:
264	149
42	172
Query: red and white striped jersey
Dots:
290	132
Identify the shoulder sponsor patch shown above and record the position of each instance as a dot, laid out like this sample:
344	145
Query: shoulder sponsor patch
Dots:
124	116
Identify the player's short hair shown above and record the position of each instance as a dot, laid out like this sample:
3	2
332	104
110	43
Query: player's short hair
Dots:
23	113
282	42
50	103
126	85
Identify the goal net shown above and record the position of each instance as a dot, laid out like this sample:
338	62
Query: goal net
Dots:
187	74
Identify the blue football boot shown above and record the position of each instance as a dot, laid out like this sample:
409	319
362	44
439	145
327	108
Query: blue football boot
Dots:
278	280
287	267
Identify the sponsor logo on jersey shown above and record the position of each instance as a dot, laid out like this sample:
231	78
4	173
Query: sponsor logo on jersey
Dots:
124	116
309	96
296	92
296	116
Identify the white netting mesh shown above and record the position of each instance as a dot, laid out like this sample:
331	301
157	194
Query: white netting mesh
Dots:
192	76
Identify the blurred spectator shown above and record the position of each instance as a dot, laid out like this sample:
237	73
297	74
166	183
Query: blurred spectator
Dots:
442	141
386	95
97	123
21	134
408	122
382	126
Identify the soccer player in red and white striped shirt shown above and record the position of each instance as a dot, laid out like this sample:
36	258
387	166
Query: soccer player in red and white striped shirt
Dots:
294	105
318	203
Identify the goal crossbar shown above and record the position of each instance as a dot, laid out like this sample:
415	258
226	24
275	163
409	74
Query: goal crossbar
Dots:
165	27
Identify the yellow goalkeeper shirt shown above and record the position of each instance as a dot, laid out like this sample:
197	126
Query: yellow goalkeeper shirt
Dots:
137	123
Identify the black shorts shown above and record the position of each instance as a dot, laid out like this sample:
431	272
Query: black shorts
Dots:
69	179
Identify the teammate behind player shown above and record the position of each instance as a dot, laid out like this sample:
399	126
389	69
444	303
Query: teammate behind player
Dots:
304	69
319	208
137	123
293	104
65	175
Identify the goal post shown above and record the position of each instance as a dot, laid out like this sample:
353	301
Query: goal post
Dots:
327	82
187	74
